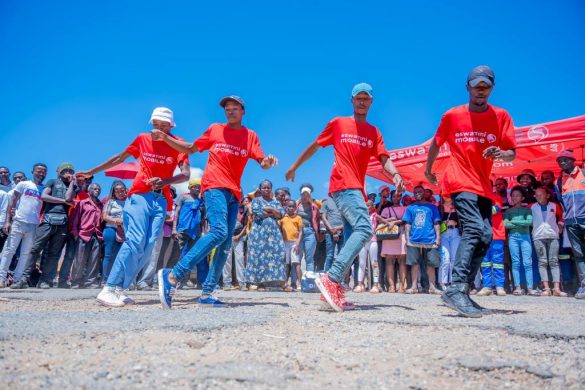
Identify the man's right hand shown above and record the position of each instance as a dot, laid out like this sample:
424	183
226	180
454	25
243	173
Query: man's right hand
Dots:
290	175
432	178
6	228
83	175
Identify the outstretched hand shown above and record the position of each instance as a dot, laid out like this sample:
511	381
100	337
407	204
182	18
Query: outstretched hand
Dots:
398	182
269	161
290	175
83	175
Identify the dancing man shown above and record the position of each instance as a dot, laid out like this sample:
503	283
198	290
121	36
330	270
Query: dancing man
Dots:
477	133
149	199
230	147
354	142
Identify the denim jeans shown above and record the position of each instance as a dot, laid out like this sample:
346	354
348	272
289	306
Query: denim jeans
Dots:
332	248
222	212
449	243
22	234
144	215
111	248
492	268
307	247
475	217
357	230
521	253
548	256
236	257
147	274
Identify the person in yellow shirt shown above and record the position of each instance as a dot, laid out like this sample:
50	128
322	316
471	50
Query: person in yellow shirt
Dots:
292	230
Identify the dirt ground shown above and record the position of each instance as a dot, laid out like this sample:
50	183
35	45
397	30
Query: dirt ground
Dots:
63	339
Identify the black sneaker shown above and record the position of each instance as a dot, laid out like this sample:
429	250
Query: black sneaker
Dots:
20	285
456	298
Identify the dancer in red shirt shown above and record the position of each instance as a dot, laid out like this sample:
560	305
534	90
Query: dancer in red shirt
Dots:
477	134
354	141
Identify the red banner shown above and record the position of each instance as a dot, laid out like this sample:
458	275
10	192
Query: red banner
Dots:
537	147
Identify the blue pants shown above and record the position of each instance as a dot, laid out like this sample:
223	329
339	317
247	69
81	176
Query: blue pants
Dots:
521	253
144	215
492	268
111	249
357	230
222	212
330	246
308	246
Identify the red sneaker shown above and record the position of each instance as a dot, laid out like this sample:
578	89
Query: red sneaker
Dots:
331	291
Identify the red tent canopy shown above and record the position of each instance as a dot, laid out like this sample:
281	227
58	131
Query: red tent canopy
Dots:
536	149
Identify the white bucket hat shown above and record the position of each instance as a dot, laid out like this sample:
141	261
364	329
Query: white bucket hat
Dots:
163	114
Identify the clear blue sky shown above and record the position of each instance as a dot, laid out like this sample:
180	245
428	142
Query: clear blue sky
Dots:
79	79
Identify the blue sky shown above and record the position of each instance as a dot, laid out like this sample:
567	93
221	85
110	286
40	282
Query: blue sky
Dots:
80	79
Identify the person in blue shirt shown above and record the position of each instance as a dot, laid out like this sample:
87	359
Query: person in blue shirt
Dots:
423	240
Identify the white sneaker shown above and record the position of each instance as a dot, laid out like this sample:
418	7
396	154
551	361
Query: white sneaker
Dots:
128	300
110	297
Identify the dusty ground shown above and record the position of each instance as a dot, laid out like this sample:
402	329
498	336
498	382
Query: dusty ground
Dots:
63	339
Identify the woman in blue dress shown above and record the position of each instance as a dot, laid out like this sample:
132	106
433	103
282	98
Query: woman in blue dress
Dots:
266	261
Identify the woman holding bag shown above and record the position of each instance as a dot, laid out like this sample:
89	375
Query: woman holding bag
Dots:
395	250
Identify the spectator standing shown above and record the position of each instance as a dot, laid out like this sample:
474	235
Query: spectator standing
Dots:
423	239
51	234
492	267
21	228
395	250
334	238
86	228
518	220
292	227
266	255
6	205
572	186
310	214
502	193
527	180
236	257
450	239
547	178
368	256
547	222
5	184
113	234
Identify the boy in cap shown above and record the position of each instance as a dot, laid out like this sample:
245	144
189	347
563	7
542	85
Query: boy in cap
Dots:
51	234
354	142
149	199
572	187
477	134
230	146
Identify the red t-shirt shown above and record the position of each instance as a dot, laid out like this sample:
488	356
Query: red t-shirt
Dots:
229	151
498	227
468	134
354	143
155	159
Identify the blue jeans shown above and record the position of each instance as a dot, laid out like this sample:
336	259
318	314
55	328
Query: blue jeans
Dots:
330	247
111	248
492	268
521	253
222	212
450	240
144	215
357	230
308	246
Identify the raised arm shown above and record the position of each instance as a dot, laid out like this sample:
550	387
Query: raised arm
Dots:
180	146
109	163
306	155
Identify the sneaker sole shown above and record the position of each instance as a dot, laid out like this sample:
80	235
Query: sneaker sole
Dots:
107	304
161	288
327	296
451	306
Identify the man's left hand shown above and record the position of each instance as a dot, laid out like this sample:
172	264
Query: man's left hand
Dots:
156	182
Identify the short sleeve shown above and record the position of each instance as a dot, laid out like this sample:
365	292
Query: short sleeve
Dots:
20	187
442	131
134	148
436	214
326	136
385	212
508	134
205	141
407	218
254	149
180	201
379	148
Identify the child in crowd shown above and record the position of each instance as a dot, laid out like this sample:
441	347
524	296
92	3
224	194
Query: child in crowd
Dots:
547	219
395	250
518	220
450	239
369	252
292	229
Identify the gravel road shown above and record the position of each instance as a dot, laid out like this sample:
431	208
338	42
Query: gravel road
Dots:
63	339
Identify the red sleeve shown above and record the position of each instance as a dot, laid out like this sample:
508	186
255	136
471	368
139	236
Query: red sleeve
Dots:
508	135
205	141
76	220
134	147
442	131
559	213
379	149
326	136
254	149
